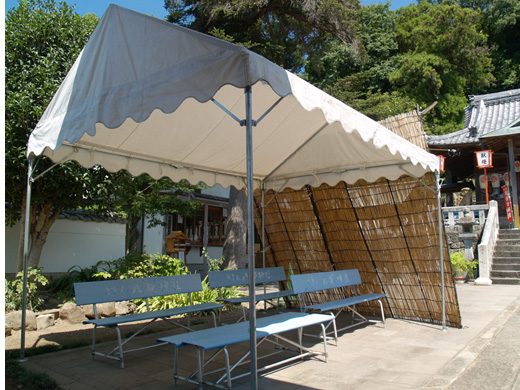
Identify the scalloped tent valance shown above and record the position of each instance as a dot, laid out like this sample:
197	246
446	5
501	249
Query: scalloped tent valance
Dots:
142	97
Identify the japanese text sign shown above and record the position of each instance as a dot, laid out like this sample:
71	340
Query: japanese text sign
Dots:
484	158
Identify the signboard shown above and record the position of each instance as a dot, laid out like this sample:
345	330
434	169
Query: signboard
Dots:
507	201
484	159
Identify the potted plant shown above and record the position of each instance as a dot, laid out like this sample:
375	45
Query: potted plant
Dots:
461	267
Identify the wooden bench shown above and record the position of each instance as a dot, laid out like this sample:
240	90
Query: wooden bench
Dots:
304	284
240	277
92	293
268	329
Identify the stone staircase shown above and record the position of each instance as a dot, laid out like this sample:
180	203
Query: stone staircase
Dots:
506	258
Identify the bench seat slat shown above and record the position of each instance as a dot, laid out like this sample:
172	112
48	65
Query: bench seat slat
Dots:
304	284
226	335
96	292
150	315
332	305
259	297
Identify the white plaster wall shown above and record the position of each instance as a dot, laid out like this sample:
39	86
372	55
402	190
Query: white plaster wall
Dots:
154	240
71	242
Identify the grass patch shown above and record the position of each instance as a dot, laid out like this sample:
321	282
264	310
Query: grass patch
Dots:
15	353
32	379
29	379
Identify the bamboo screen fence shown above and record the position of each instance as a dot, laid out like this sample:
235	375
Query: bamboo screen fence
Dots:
388	230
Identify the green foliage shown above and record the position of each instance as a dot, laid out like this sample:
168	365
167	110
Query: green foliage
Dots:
42	40
76	274
172	301
286	32
213	264
14	290
445	56
500	21
27	378
136	265
141	265
461	266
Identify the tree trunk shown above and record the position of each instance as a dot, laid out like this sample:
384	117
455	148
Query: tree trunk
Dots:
132	234
41	220
234	250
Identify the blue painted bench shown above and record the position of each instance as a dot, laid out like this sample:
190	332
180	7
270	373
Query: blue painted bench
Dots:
220	338
240	277
304	284
92	293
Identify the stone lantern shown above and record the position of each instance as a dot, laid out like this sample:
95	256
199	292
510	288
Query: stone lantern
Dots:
467	235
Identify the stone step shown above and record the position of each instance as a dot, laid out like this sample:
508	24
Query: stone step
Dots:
508	241
515	249
506	267
505	281
506	260
509	234
505	274
498	253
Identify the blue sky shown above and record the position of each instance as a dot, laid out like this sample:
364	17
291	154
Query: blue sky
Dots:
156	7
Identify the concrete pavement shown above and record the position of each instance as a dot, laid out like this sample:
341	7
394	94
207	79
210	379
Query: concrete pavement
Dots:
484	354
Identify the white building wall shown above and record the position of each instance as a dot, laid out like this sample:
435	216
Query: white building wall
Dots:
154	240
70	243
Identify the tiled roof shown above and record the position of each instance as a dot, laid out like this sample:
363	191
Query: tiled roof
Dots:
86	216
484	114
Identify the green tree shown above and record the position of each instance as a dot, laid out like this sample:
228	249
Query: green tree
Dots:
286	32
138	197
42	40
445	57
501	22
359	76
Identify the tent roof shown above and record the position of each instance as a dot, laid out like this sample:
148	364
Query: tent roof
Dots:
140	97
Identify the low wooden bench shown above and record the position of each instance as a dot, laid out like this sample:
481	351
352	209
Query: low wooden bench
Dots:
268	329
240	277
92	293
304	284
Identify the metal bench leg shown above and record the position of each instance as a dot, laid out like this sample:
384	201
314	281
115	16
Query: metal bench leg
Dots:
324	333
382	313
175	364
120	347
200	362
228	371
94	342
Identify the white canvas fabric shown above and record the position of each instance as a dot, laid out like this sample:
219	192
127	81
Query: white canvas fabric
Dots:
139	98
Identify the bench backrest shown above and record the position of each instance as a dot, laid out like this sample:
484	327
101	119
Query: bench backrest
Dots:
239	277
305	283
124	289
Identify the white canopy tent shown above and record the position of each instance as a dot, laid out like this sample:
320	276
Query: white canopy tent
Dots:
150	97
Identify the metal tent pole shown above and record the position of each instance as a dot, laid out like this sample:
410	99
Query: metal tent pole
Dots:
250	238
441	259
25	254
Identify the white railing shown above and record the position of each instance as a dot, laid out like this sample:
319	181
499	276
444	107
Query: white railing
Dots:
453	214
487	245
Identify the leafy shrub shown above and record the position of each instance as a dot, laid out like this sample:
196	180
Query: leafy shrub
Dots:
136	265
14	290
76	274
461	266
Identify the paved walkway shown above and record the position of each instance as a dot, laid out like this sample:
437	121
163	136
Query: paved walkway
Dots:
484	354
